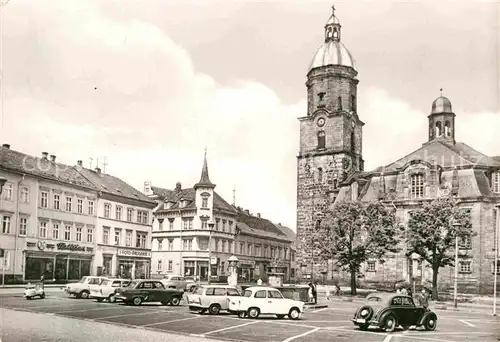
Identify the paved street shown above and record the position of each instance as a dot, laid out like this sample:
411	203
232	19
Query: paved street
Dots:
329	324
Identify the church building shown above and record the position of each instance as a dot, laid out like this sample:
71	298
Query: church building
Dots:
330	170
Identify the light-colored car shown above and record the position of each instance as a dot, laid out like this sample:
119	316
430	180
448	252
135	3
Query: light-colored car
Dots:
178	282
259	300
106	290
81	289
213	298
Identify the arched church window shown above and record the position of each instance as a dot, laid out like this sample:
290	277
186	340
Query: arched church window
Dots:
329	32
321	139
339	103
439	129
353	103
447	129
335	33
320	175
353	142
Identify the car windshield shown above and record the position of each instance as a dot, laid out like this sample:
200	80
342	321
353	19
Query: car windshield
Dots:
83	280
247	293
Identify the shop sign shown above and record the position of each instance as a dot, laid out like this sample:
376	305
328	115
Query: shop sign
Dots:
41	245
213	261
250	263
134	253
73	247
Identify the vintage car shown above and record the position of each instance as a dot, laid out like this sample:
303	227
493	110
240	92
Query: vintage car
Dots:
390	310
260	300
34	290
175	281
213	298
145	290
81	289
106	290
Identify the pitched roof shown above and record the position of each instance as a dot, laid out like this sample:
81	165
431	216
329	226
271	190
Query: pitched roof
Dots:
204	179
189	194
289	233
258	223
113	185
16	161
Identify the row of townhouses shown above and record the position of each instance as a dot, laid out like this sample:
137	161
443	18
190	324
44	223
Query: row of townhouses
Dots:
67	221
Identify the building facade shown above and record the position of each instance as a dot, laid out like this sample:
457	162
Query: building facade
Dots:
51	219
123	227
195	228
441	167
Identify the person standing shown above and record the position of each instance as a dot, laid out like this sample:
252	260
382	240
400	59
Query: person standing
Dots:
310	293
315	292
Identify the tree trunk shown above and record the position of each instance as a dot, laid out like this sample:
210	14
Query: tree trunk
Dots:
353	280
435	271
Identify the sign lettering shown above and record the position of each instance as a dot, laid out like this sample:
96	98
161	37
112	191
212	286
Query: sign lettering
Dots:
73	247
134	253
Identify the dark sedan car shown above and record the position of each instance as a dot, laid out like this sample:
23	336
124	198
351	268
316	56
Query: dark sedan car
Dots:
390	310
143	290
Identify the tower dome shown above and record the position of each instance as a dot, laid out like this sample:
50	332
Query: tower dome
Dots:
332	52
441	105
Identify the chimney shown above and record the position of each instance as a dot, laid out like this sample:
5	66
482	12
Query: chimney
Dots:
79	163
178	187
98	170
247	211
258	215
52	158
44	155
7	146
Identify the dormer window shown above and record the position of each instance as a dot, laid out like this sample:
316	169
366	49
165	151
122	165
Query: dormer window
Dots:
495	182
417	185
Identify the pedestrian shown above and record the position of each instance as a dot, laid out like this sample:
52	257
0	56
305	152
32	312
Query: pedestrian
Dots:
259	282
315	292
404	291
42	281
398	290
310	293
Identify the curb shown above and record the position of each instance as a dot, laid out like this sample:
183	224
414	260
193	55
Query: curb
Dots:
316	306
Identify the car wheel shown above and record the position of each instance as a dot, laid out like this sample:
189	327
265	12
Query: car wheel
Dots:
214	309
253	313
294	313
280	316
430	323
175	301
389	323
84	294
111	298
137	301
29	298
99	299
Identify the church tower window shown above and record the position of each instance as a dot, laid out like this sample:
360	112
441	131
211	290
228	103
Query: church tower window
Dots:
447	129
320	175
321	139
353	103
339	103
353	142
438	129
417	185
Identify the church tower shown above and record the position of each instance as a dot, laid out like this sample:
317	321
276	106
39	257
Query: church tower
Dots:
330	139
442	121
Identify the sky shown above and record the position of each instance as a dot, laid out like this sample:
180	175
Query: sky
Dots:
150	84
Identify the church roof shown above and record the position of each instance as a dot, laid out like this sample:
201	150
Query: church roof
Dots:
204	179
446	155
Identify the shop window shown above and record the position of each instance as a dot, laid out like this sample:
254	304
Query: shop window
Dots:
43	230
24	196
44	199
130	214
118	213
91	207
90	235
188	268
465	266
79	231
57	201
23	226
417	185
107	210
8	191
370	266
170	266
69	203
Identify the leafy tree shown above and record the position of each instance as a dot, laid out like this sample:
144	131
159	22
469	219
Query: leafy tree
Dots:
353	232
432	231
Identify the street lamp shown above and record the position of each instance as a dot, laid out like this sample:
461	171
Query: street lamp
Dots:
495	267
456	225
210	227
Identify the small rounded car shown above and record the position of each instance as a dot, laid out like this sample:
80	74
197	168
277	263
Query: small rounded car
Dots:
259	300
387	311
147	290
31	291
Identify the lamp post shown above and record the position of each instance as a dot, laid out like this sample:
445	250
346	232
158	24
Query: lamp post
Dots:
210	227
495	267
456	225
